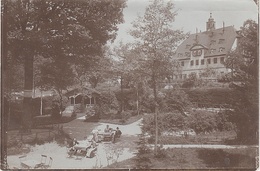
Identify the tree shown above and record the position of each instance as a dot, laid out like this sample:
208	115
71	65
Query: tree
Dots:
244	63
156	42
50	28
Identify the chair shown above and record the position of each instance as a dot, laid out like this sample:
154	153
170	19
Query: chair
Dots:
43	161
46	166
22	159
70	152
79	154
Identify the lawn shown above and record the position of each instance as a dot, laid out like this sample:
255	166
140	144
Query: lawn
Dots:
217	137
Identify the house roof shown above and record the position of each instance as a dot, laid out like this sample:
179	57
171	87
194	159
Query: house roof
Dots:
210	40
77	91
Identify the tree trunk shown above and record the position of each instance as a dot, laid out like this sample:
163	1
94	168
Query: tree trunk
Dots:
155	111
4	112
137	101
41	104
60	94
28	86
122	91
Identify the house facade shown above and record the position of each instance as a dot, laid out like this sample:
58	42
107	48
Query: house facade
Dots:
206	51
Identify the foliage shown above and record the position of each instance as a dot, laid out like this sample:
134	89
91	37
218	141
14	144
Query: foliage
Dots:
205	121
194	81
212	96
224	121
166	122
243	63
174	99
106	104
156	41
202	121
49	29
142	159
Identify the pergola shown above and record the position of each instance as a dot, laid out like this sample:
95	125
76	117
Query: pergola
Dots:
77	95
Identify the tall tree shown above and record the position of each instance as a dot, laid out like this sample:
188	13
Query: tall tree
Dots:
244	63
156	40
69	31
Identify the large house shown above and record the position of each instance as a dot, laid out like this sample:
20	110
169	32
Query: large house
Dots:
206	50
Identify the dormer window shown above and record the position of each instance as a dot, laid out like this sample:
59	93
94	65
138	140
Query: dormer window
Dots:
197	52
221	41
221	49
212	51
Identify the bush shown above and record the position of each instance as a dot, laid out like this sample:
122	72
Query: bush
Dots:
107	104
166	122
161	152
213	96
202	121
174	99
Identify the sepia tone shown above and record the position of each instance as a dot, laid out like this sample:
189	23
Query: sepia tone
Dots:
120	84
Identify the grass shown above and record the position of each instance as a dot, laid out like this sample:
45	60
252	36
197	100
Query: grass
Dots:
212	138
198	159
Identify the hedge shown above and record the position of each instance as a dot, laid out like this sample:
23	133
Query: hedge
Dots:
213	95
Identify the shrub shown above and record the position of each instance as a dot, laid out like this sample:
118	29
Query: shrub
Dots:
106	104
202	121
166	122
143	153
174	99
213	96
161	152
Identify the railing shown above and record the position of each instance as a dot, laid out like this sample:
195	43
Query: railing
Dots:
209	106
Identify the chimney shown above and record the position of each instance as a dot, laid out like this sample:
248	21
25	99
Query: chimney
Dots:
223	26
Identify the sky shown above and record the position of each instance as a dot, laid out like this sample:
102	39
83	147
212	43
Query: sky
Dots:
193	14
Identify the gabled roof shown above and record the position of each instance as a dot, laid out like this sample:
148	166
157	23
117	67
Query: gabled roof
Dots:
206	39
76	91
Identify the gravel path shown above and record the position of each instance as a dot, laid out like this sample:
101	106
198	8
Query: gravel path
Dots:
123	149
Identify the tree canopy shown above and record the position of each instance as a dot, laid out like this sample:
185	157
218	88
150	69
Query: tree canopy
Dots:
68	33
244	63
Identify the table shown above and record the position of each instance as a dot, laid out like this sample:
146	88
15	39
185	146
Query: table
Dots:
105	135
82	145
30	164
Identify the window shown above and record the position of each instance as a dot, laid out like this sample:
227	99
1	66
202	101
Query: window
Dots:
191	63
202	62
182	63
222	60
215	60
184	76
197	62
221	41
180	76
209	60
